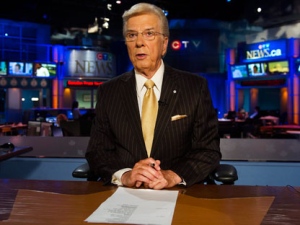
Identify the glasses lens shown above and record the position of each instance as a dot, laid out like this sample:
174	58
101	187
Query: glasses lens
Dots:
131	36
147	35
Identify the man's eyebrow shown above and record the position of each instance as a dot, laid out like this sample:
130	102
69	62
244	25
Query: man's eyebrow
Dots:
131	31
147	29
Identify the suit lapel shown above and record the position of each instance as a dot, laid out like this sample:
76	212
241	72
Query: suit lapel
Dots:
168	99
129	100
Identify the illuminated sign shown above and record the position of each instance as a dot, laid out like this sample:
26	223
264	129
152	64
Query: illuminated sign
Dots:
89	63
268	50
177	44
79	83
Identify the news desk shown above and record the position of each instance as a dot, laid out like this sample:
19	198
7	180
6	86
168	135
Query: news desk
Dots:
9	153
71	202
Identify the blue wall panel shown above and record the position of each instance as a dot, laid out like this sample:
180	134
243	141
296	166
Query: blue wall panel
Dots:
250	173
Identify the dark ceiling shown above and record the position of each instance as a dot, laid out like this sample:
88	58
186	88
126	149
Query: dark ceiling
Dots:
82	13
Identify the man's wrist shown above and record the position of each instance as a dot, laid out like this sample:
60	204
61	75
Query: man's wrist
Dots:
117	176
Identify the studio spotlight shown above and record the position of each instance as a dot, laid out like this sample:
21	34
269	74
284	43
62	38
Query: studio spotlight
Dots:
105	22
166	12
94	28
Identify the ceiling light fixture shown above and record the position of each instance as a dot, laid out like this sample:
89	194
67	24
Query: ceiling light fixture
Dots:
94	28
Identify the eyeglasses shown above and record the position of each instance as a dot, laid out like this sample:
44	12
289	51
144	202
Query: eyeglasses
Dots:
148	35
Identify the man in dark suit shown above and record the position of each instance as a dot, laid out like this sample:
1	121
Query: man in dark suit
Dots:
186	145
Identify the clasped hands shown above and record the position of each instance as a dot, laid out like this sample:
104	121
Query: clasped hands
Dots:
144	174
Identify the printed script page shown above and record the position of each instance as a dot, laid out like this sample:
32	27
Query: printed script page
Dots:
132	206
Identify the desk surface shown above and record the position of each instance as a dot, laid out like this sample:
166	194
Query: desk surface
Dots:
14	126
283	210
286	127
9	153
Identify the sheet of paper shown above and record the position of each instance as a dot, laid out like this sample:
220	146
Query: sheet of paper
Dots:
137	206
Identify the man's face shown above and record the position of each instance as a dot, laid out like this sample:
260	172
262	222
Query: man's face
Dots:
146	55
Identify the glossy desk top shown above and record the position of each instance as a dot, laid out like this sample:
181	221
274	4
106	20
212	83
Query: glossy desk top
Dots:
283	209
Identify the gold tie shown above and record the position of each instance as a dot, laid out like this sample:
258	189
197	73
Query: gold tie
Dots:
149	113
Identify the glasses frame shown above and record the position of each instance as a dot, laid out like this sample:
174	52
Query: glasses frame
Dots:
143	33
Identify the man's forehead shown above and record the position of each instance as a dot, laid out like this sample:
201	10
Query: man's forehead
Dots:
145	21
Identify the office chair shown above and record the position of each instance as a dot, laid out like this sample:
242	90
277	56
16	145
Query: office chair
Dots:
225	174
70	128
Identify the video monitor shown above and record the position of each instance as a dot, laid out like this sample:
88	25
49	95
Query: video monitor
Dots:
20	68
83	111
51	119
69	114
257	69
45	69
239	71
297	66
3	68
278	67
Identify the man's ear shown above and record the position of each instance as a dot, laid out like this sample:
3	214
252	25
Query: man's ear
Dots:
166	41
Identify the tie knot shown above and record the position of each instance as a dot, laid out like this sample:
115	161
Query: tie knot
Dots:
149	84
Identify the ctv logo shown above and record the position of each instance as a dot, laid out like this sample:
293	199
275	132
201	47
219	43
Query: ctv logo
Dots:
104	56
177	44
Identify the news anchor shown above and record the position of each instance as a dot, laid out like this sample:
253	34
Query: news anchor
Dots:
186	144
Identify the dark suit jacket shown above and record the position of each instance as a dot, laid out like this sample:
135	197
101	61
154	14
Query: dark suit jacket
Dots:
188	146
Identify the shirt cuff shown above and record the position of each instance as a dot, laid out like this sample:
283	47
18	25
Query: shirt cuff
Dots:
182	182
116	178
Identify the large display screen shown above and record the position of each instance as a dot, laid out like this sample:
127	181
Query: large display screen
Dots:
257	69
239	71
45	69
278	67
20	68
3	68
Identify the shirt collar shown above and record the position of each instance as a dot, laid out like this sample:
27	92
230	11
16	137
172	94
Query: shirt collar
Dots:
157	78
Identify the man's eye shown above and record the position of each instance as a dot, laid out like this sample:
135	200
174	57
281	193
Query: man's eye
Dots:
131	35
149	33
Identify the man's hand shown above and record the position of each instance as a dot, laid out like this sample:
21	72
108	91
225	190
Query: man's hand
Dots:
167	180
142	172
147	172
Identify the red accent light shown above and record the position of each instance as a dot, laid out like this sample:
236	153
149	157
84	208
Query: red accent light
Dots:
263	82
99	56
77	83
